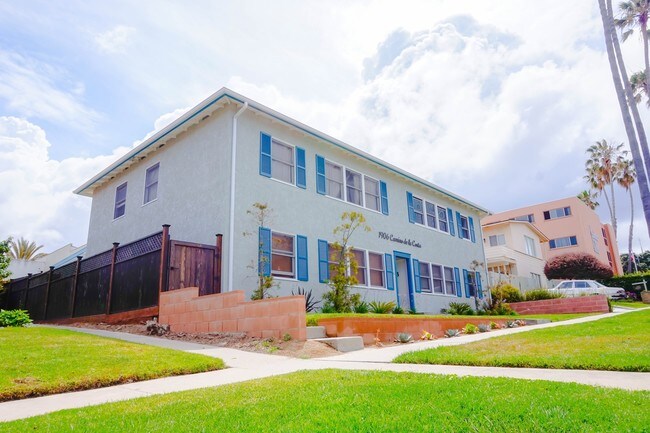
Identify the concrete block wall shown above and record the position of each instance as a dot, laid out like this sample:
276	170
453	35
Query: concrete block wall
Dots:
185	311
582	304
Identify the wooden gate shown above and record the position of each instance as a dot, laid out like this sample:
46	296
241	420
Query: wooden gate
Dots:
194	265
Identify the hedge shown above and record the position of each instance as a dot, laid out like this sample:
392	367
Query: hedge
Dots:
625	281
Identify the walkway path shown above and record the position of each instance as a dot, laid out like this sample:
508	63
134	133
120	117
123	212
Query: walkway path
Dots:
249	365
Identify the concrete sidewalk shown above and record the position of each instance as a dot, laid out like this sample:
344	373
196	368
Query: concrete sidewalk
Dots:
249	366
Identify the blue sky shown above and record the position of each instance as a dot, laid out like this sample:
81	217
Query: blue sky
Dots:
494	101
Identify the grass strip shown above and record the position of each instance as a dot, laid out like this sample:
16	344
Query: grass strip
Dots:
618	343
358	401
38	361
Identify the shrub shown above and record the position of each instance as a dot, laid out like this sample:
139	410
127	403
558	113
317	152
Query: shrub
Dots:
286	337
327	309
310	301
460	309
14	318
398	310
541	294
312	321
403	337
361	307
426	335
626	281
579	266
504	292
379	307
471	329
452	333
483	327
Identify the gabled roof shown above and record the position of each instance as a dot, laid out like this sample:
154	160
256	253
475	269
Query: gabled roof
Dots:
216	101
533	227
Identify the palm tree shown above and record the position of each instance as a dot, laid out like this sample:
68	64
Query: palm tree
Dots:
633	15
603	169
627	177
640	87
624	93
22	249
589	198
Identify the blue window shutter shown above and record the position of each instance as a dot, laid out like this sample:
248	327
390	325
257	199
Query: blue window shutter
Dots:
416	275
409	202
459	285
264	265
551	243
479	285
472	233
265	154
468	293
384	197
302	258
460	225
390	274
301	172
323	265
320	175
450	223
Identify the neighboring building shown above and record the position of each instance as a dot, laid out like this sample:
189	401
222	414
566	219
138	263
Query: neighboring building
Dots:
513	253
58	257
419	252
571	226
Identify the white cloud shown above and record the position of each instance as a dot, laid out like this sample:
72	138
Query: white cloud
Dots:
115	40
37	190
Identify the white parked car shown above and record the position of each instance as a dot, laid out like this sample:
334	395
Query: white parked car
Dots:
572	288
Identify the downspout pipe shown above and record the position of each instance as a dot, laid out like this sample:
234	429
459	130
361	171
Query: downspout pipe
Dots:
231	231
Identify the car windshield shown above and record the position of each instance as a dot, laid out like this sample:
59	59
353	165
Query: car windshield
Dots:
599	285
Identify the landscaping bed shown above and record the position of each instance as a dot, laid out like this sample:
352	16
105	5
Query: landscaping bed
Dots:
359	401
39	361
617	343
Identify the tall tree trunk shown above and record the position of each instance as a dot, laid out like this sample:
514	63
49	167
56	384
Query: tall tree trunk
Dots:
608	31
614	221
609	206
629	241
646	55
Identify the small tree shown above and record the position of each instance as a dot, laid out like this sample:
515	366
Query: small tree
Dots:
344	269
5	259
576	266
261	214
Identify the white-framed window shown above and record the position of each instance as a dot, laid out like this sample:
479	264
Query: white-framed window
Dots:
450	282
418	210
425	277
376	267
464	227
282	161
530	246
120	201
373	198
537	279
332	260
443	224
353	187
360	257
594	242
151	183
432	218
567	241
471	280
283	255
334	180
438	279
559	212
496	240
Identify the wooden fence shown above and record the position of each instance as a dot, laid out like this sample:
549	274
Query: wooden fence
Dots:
125	278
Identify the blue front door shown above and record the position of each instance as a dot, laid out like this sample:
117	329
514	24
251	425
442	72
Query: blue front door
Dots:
404	280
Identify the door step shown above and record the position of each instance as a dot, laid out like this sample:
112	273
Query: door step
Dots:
343	344
316	332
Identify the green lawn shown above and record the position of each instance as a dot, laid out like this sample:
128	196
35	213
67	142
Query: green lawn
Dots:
630	304
37	361
357	401
616	343
551	317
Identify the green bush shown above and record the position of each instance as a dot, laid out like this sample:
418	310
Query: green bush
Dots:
504	292
361	307
471	328
541	294
499	309
14	318
398	310
379	307
312	321
626	281
459	309
327	309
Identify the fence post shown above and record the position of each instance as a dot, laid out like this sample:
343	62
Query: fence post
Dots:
47	292
24	303
217	264
74	286
110	281
164	256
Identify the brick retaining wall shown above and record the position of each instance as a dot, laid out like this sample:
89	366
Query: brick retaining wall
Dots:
389	327
185	311
582	304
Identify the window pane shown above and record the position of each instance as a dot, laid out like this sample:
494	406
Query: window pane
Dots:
334	176
282	167
353	182
281	152
282	265
450	287
282	243
120	201
442	219
360	257
151	192
377	278
431	215
282	171
372	194
425	279
436	273
418	211
376	263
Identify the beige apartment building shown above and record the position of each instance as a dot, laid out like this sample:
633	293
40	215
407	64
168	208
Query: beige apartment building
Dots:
570	226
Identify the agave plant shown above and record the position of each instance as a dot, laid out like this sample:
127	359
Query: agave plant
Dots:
403	337
483	327
452	333
310	301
